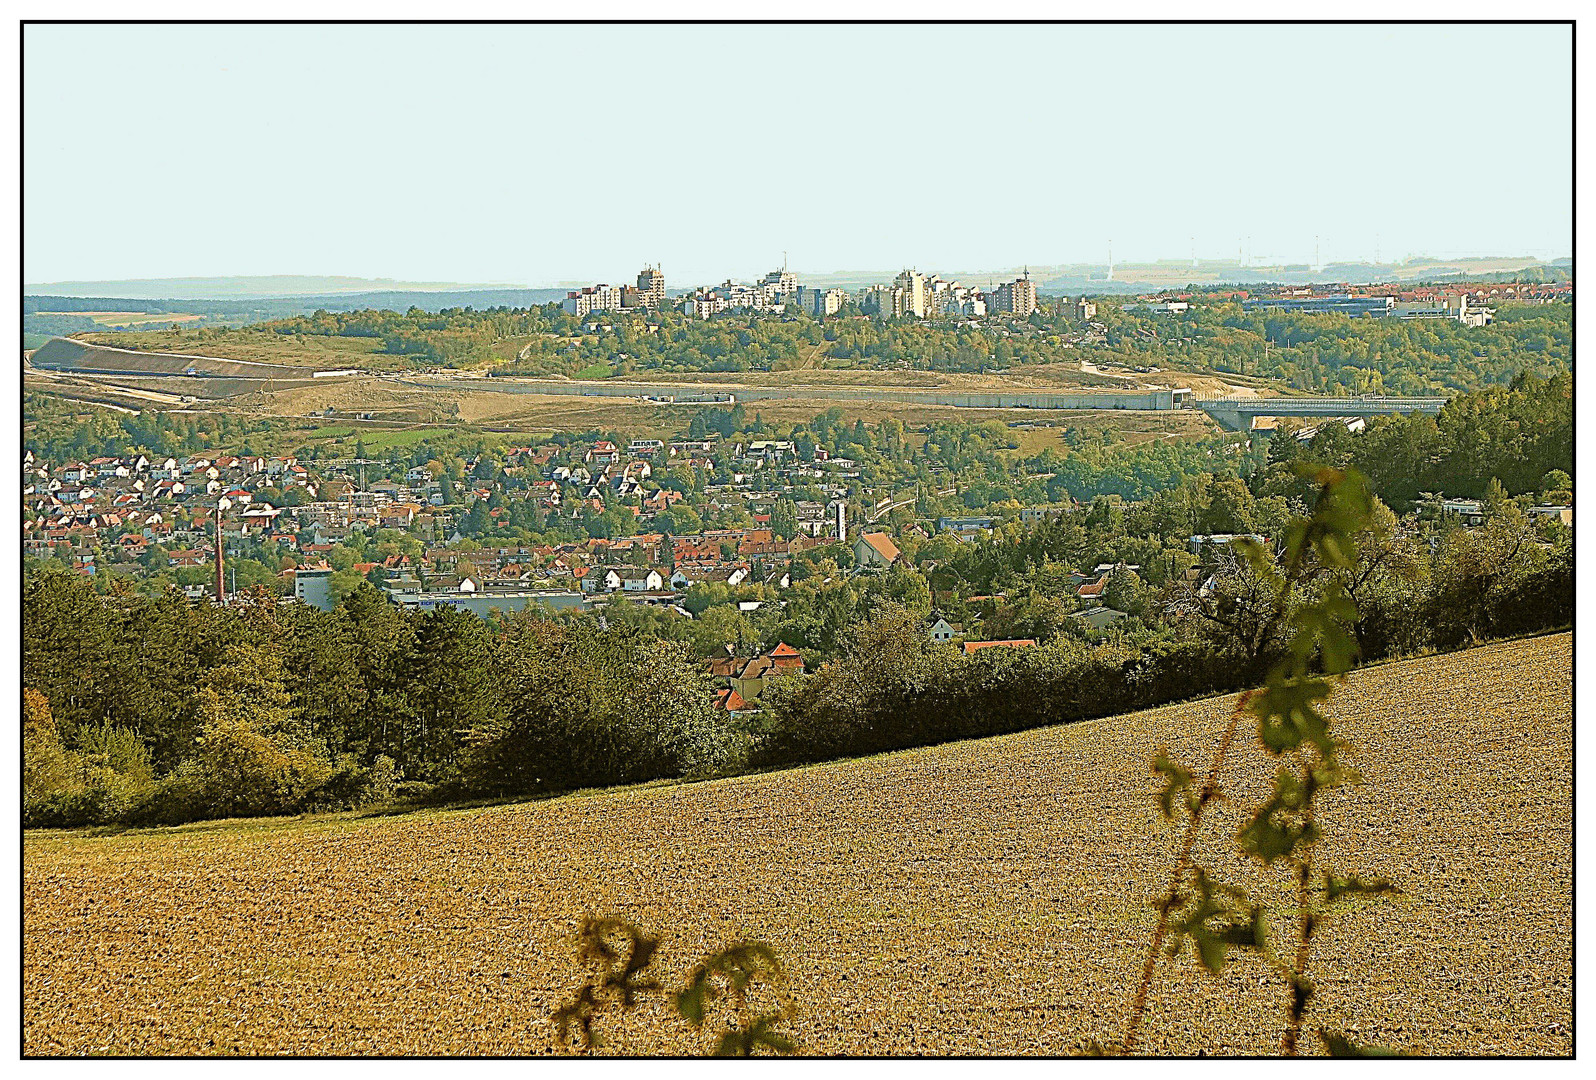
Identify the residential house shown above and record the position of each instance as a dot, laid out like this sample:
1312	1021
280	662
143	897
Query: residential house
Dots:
730	701
762	544
685	576
1099	617
1564	514
1208	545
964	525
602	579
748	675
875	549
1471	512
641	579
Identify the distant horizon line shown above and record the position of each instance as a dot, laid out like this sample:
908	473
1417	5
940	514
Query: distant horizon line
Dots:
355	283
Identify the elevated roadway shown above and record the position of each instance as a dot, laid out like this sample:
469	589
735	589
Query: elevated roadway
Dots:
1236	413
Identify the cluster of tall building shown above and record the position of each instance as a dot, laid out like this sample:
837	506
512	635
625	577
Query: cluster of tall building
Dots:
649	294
914	294
911	294
771	293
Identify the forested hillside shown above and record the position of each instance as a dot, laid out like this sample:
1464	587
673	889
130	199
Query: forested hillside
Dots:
1335	354
1316	353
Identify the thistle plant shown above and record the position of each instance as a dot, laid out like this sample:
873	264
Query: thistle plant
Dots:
1283	830
620	957
1315	612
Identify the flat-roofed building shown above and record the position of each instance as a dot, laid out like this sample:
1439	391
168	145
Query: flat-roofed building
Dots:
823	302
916	294
594	298
1017	297
651	287
313	586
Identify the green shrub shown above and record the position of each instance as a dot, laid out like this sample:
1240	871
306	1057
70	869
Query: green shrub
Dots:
590	708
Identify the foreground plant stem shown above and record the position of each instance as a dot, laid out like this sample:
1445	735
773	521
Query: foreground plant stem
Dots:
1307	921
1182	865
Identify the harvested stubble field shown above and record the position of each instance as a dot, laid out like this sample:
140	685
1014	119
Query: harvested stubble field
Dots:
976	898
546	413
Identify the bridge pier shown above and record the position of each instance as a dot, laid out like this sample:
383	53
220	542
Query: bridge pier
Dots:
1229	419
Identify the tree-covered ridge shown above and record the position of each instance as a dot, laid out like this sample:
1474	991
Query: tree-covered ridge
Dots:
1512	434
1335	354
1315	353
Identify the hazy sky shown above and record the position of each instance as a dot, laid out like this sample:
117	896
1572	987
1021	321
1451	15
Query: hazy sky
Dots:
532	155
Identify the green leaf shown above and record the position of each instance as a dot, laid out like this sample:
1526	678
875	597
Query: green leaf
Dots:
1337	887
1277	827
573	1022
1296	539
690	1003
1322	475
1179	783
734	967
1286	716
1253	934
614	978
760	1032
1215	921
1259	559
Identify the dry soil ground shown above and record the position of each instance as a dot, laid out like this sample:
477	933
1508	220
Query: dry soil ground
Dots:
983	897
542	413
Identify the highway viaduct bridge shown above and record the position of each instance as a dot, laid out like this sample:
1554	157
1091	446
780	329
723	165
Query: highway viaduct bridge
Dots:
1236	413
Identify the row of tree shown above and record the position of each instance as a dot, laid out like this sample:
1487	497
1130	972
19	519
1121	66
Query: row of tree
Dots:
162	710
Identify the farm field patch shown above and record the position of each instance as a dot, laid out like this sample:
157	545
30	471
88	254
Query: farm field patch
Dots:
126	318
985	897
575	413
307	350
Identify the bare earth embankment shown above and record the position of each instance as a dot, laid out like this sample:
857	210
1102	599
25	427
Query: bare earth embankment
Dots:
983	897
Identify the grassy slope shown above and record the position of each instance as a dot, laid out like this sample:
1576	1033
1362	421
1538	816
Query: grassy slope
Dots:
245	343
984	897
260	346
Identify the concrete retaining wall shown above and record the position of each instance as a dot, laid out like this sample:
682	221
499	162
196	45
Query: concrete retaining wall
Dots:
66	354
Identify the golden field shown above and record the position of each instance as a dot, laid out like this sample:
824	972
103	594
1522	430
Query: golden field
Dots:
985	897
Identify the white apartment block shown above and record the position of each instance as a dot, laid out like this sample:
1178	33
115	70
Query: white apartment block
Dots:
594	298
1017	297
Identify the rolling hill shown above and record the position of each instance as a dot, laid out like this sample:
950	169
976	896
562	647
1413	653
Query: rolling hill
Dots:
983	897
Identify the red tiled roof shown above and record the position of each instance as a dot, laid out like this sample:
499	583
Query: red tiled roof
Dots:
1013	643
729	700
883	545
